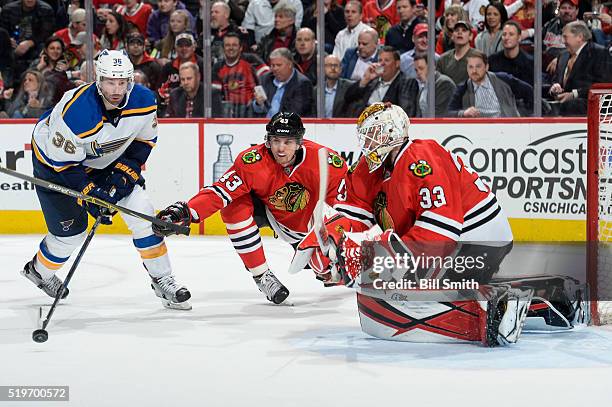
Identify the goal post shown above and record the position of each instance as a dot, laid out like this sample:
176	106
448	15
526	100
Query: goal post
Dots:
599	203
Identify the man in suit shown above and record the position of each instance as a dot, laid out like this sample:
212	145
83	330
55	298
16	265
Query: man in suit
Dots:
187	100
384	82
484	94
285	88
444	88
357	60
578	67
335	89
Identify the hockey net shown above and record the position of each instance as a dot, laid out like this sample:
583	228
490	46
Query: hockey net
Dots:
599	202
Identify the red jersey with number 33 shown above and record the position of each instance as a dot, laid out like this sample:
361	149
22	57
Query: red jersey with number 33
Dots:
430	195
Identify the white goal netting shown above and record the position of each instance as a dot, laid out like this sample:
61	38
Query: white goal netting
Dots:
603	278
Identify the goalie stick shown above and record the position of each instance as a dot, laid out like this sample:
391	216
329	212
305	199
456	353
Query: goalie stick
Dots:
180	229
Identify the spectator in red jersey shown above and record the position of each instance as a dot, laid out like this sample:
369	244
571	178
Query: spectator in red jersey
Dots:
113	36
235	77
380	15
137	13
77	25
143	61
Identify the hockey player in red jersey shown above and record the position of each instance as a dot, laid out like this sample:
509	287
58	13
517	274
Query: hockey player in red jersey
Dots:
272	184
420	195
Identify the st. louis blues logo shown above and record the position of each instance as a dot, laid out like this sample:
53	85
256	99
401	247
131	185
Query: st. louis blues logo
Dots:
66	224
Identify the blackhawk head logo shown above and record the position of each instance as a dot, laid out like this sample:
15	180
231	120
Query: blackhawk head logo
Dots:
421	168
291	197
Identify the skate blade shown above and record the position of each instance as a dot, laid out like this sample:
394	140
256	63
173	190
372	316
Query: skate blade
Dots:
181	306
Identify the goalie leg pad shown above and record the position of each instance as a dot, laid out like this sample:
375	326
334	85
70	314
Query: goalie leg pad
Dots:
559	302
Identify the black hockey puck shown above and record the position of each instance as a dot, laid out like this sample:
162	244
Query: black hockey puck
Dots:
40	336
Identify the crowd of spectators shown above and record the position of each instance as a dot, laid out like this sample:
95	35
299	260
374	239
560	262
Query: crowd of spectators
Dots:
264	54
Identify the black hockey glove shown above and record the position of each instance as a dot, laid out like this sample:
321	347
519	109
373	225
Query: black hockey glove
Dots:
97	210
177	213
123	177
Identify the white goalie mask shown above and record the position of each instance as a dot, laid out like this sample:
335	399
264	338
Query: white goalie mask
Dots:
380	128
114	64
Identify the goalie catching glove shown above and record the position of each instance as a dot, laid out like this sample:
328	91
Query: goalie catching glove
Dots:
178	213
343	253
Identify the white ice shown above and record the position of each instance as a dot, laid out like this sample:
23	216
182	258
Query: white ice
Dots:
114	345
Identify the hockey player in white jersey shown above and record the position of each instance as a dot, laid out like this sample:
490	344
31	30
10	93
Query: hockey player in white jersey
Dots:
95	140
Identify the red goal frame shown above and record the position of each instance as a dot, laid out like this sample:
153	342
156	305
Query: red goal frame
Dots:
593	120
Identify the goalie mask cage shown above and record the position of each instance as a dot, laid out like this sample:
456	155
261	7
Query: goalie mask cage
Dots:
599	202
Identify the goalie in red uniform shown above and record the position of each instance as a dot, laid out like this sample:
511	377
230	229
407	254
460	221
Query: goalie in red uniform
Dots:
420	195
272	184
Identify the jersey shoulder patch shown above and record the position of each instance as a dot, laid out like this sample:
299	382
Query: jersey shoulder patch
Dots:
421	168
251	156
335	160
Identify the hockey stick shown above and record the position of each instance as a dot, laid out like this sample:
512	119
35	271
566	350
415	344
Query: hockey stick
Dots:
317	215
301	259
318	219
180	229
41	335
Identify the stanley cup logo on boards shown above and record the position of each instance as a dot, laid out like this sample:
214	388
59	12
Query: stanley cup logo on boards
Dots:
224	156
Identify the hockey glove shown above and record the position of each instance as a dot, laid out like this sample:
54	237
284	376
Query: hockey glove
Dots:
124	176
319	261
97	210
178	213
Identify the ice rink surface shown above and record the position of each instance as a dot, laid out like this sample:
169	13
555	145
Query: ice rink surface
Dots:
114	344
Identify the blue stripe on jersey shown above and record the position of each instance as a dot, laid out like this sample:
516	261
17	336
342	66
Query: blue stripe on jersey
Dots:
149	241
54	259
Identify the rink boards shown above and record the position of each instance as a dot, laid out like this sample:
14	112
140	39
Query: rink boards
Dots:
535	167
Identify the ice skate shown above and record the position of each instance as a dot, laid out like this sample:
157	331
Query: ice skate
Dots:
173	295
506	314
273	289
50	286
